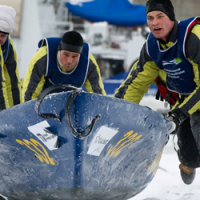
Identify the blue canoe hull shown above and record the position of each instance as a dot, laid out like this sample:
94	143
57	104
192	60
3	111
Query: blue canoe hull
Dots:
117	160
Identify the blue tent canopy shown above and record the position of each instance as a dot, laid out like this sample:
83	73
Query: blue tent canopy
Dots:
116	12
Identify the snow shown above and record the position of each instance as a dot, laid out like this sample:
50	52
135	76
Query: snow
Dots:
154	104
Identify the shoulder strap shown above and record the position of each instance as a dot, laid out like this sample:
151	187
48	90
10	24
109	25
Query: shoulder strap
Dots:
196	21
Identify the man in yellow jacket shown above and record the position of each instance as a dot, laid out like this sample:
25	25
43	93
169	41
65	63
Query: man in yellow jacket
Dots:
172	52
10	83
65	60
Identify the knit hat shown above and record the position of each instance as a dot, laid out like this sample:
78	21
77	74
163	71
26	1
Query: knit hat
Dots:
164	6
7	16
72	41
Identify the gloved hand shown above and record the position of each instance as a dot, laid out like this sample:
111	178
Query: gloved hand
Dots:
174	124
176	116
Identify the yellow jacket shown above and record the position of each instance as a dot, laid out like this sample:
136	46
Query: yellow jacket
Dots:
10	81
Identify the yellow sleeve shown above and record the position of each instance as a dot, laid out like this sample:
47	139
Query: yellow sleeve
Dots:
137	82
34	78
94	83
11	72
4	103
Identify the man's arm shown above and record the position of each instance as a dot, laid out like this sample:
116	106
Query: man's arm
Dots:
13	82
142	74
94	82
34	78
3	92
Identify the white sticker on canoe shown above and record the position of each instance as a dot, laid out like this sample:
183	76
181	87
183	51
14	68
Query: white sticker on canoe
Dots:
48	138
103	136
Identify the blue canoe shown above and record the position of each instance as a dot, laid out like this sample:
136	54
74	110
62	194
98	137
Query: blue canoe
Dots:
78	145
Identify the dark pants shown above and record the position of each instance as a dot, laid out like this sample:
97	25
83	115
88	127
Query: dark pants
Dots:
189	141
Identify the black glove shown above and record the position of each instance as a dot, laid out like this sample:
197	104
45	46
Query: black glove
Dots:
177	117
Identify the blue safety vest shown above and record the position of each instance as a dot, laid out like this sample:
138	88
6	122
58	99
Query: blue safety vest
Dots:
180	75
54	74
5	47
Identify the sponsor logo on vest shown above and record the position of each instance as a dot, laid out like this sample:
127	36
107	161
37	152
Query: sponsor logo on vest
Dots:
176	61
173	73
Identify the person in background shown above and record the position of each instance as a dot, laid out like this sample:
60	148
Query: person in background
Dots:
172	50
10	83
65	60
